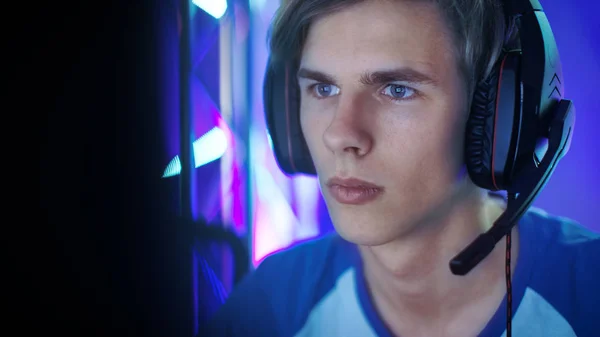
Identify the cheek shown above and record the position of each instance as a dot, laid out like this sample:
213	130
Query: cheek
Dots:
453	127
311	129
428	147
446	143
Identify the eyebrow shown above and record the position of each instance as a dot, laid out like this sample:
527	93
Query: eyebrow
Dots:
315	75
405	74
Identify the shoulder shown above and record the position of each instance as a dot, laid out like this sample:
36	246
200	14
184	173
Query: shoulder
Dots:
276	298
561	238
565	270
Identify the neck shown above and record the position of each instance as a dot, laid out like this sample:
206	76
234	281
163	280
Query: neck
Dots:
410	276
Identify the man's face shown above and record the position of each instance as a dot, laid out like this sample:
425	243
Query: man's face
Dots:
383	101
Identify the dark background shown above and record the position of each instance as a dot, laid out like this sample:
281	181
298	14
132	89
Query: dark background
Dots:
99	257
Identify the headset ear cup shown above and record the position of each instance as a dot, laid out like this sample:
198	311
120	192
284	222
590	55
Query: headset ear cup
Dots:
300	156
273	105
480	131
281	99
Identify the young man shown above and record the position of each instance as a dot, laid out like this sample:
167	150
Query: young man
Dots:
386	88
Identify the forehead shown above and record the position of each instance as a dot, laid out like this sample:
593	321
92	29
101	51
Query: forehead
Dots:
379	33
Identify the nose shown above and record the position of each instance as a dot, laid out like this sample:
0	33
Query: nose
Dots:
348	131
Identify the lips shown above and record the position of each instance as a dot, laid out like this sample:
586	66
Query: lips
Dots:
353	191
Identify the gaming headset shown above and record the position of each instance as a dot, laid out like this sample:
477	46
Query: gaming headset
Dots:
518	129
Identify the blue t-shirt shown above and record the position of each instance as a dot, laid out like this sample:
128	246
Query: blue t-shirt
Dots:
317	289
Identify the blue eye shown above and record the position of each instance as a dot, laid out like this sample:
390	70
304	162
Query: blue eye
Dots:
398	92
323	90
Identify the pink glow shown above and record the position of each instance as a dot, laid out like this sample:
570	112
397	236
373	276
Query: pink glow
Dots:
238	196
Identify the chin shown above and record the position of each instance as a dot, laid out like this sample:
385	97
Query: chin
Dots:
365	228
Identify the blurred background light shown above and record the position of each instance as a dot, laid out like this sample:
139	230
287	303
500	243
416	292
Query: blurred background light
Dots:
210	147
216	8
